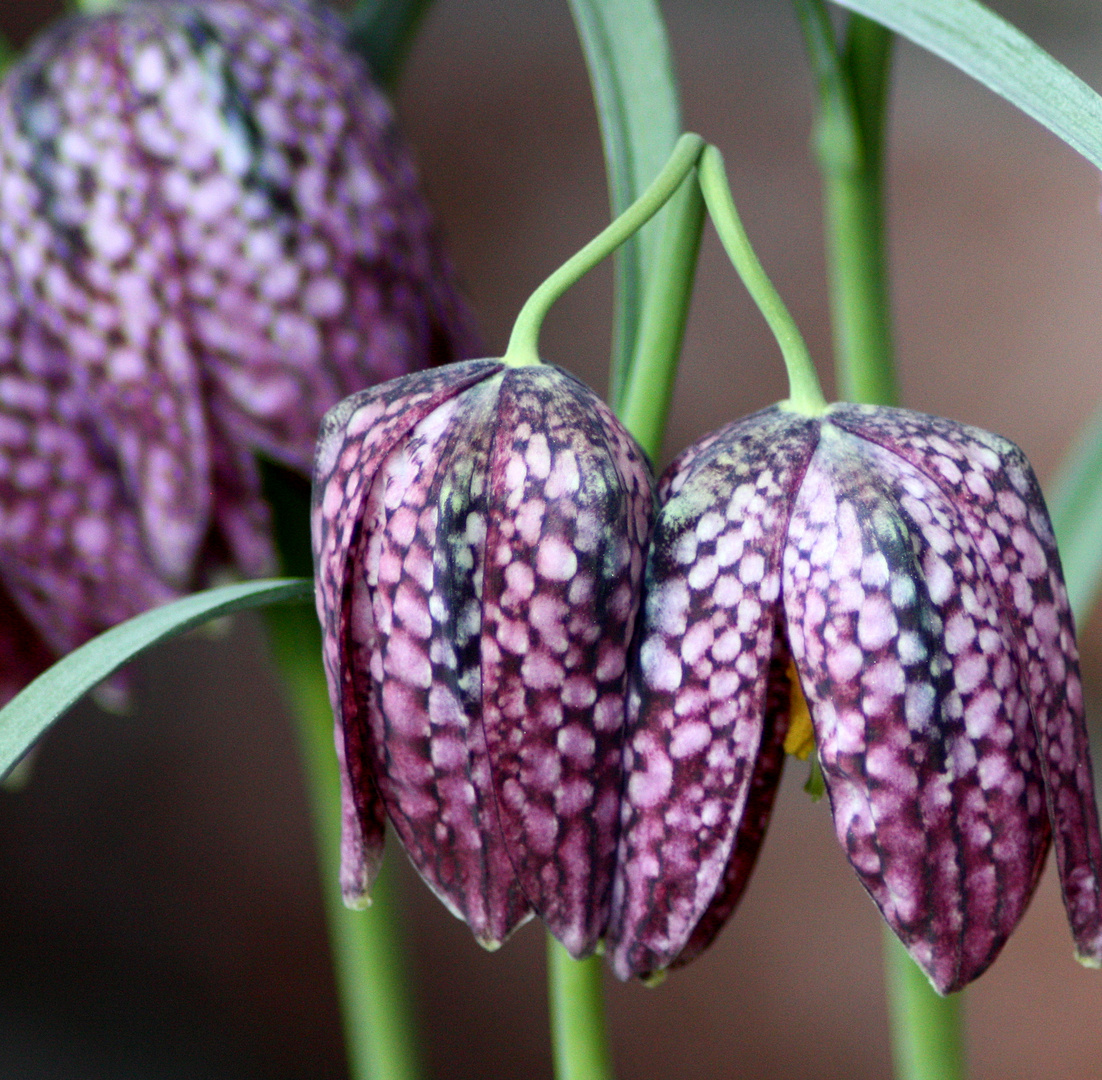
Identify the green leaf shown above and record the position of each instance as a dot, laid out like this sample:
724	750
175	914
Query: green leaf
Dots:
633	83
1075	504
38	705
987	47
382	32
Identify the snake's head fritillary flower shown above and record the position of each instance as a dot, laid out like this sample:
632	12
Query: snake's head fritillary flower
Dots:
906	566
209	234
479	536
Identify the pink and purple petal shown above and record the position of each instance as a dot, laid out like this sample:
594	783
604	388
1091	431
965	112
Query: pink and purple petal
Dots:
425	569
699	748
356	440
919	704
570	503
1001	506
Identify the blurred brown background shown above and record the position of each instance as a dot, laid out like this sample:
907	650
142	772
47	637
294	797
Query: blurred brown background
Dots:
158	904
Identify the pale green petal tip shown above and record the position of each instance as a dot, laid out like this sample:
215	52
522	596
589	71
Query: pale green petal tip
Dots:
357	902
656	978
1092	962
490	945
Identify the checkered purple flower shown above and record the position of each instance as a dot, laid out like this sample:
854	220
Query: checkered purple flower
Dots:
906	566
209	234
479	535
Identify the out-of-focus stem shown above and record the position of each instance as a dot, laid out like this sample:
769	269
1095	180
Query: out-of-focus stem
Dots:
366	950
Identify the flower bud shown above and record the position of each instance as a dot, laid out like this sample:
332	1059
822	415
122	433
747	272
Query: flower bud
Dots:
907	566
479	534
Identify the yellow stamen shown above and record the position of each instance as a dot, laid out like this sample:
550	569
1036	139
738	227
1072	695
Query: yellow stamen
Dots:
800	740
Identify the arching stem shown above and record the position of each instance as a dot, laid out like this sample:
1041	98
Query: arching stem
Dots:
805	393
524	342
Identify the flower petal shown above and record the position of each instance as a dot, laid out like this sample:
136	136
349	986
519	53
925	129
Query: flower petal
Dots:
424	569
568	517
697	728
1001	505
357	437
918	700
71	553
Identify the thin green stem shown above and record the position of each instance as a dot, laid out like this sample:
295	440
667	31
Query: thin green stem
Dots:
578	1038
524	342
805	393
927	1029
646	398
367	958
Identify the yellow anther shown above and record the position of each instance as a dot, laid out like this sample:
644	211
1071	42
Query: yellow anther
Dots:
800	740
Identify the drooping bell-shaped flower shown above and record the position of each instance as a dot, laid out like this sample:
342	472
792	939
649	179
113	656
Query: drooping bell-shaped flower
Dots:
906	566
479	535
209	234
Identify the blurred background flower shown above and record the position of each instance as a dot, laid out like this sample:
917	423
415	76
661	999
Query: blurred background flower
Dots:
210	233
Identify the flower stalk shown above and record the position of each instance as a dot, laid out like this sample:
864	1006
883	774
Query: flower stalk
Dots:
523	346
366	945
805	394
380	1038
927	1030
578	1036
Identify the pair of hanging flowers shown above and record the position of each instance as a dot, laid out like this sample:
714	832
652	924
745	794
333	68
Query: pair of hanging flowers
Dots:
572	697
570	690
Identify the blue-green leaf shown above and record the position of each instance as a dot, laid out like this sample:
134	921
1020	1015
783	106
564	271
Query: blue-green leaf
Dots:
987	47
633	83
1075	504
37	706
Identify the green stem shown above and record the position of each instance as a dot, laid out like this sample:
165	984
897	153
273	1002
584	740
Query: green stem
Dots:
524	342
927	1029
805	393
646	398
379	1035
578	1037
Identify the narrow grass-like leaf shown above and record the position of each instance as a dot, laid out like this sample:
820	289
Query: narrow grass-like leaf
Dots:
38	705
1076	507
636	94
987	47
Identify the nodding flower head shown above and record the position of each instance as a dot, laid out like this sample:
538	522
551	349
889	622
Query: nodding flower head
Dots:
209	234
479	534
906	566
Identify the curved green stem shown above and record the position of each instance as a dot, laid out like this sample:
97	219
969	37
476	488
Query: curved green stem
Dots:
927	1029
524	342
379	1034
578	1038
647	392
805	393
